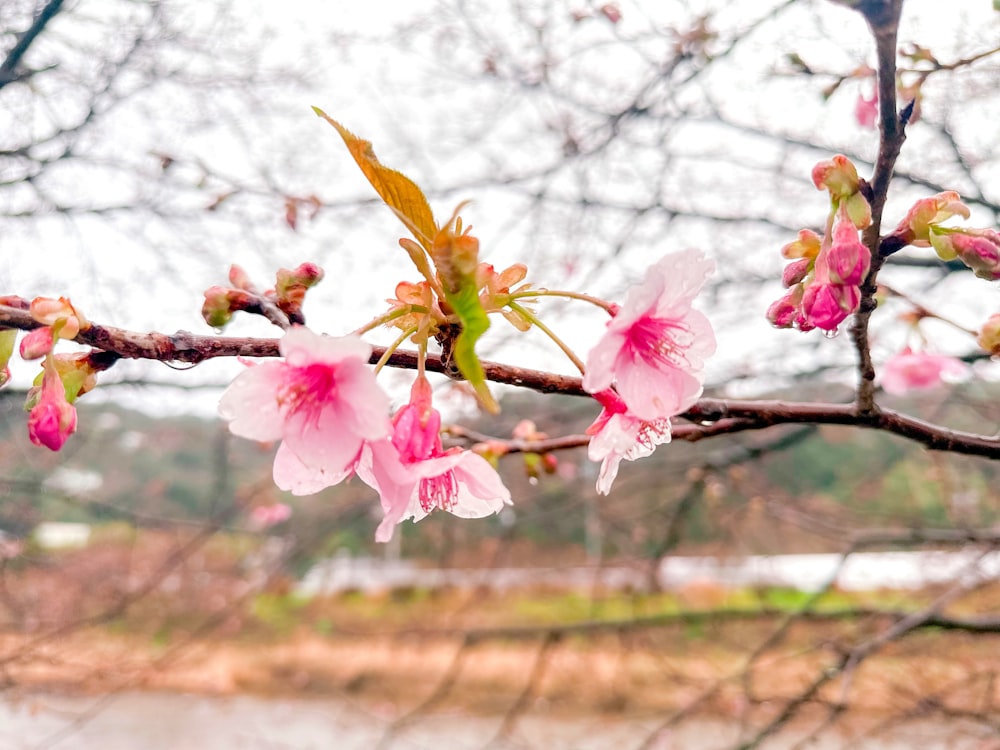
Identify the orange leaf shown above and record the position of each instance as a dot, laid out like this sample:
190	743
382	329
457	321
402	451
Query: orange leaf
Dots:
396	189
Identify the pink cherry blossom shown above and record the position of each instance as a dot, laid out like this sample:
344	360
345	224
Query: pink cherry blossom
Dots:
322	402
866	110
653	350
913	371
265	516
52	419
617	435
414	475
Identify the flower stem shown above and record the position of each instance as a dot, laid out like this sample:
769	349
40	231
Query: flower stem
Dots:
608	307
530	317
388	317
393	347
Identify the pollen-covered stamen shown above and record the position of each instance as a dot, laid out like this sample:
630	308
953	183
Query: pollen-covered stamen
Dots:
307	390
438	492
659	342
650	435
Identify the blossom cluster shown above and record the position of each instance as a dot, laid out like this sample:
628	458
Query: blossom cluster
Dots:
648	366
826	273
332	418
51	415
323	404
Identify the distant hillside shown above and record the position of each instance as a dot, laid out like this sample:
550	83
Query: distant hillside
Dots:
123	465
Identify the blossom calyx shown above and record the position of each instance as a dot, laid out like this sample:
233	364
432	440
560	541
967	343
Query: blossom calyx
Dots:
8	338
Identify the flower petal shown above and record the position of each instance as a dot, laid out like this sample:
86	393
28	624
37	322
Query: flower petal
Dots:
250	403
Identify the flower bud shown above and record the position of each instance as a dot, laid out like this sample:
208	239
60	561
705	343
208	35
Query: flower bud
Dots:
37	343
806	246
915	227
49	311
847	260
239	278
290	288
796	271
989	335
216	310
826	306
979	249
784	311
52	419
838	175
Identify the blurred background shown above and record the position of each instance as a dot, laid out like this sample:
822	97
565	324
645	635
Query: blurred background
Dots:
795	587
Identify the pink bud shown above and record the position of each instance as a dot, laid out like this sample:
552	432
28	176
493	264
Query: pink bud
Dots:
979	249
52	419
239	278
784	311
847	259
826	306
216	310
264	516
37	343
796	271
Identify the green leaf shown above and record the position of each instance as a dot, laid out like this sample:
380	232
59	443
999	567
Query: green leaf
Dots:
475	322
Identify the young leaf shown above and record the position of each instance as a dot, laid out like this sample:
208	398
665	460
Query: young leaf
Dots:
465	302
395	188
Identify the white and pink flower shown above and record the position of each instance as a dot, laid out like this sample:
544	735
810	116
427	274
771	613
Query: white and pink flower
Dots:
654	348
414	475
322	402
618	435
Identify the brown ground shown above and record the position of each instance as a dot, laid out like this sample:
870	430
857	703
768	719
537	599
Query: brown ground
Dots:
635	673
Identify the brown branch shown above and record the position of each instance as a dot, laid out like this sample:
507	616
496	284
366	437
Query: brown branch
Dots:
883	21
710	417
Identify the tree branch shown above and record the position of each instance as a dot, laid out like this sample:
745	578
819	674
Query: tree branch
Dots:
8	70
